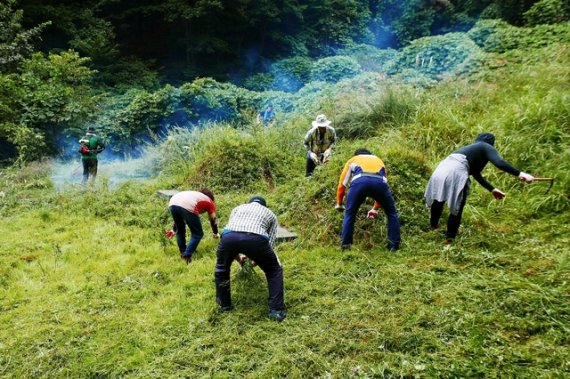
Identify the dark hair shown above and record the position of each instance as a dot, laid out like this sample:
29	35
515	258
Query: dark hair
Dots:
258	199
362	152
208	193
90	129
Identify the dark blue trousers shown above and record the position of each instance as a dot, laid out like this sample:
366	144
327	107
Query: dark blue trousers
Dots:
376	188
182	218
256	248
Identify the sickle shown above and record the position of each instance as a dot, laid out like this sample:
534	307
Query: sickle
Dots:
551	180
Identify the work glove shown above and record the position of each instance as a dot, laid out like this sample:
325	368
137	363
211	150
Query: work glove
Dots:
524	177
498	194
241	259
372	214
314	157
339	207
327	155
170	233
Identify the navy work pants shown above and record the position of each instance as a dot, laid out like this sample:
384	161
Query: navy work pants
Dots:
256	248
376	188
183	217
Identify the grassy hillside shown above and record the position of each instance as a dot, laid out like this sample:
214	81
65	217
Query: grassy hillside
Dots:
89	287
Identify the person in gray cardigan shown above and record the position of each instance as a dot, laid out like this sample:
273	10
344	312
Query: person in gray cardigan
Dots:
450	181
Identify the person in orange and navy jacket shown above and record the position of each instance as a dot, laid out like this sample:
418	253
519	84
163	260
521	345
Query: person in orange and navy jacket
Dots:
185	208
366	175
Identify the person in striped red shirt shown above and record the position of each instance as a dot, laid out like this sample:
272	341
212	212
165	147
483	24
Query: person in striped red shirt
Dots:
185	208
366	175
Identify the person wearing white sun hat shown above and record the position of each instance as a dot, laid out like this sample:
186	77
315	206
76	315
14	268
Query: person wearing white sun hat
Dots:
319	142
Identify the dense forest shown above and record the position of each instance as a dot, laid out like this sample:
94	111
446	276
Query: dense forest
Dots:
133	69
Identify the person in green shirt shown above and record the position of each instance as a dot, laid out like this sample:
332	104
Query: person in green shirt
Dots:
90	146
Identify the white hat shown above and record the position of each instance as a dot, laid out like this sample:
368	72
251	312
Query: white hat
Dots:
321	120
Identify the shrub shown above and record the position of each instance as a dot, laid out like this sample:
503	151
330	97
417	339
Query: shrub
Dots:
547	12
369	57
145	112
333	69
259	82
229	159
391	108
50	94
438	55
291	74
498	36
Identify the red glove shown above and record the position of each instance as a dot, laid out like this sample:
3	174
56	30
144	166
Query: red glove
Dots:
372	214
169	234
498	194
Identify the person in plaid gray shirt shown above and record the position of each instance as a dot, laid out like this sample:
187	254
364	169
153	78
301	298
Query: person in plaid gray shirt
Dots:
251	230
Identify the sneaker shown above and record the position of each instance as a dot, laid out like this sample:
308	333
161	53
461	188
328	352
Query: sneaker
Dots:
448	241
226	309
393	248
345	247
277	315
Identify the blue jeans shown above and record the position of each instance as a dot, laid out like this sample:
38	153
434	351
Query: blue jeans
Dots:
256	248
182	218
375	188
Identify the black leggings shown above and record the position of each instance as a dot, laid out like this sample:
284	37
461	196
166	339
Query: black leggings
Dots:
453	221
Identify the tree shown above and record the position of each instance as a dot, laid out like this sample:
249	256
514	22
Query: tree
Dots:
16	43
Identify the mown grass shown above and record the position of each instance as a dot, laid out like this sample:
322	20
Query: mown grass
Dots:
89	287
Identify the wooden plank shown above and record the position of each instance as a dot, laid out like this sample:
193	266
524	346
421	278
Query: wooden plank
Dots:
284	235
167	194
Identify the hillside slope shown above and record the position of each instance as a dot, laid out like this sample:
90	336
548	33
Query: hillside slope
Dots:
89	287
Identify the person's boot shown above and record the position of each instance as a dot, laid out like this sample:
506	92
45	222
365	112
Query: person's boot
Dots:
277	315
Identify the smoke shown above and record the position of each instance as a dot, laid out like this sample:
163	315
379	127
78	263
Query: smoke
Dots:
110	173
113	168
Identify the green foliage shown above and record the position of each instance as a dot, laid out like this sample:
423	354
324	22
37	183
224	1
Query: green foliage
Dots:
259	82
439	55
369	57
291	74
234	160
547	12
96	40
207	99
415	22
498	36
16	43
391	108
88	278
145	112
333	69
49	95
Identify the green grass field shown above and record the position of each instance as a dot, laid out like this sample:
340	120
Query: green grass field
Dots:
89	287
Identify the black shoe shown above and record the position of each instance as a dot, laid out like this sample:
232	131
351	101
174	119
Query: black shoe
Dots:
277	315
226	309
345	247
394	248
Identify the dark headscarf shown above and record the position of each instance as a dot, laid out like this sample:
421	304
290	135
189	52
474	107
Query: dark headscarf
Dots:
487	138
